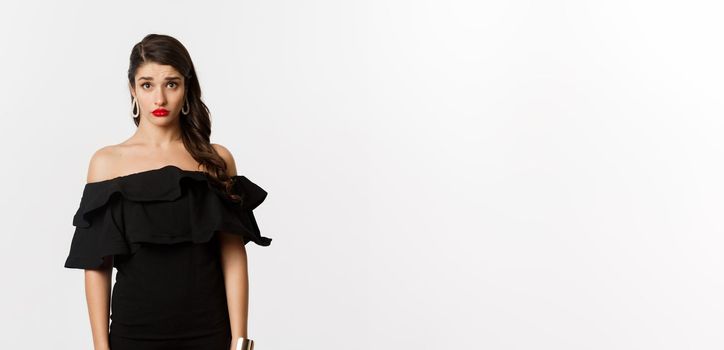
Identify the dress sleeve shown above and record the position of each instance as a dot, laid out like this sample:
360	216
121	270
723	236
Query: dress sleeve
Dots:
99	231
251	196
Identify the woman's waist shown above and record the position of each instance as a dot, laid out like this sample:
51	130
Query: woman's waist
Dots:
162	315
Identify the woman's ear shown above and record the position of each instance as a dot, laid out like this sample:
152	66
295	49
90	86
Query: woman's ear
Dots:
131	90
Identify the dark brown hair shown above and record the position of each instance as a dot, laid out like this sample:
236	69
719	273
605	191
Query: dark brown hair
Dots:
196	125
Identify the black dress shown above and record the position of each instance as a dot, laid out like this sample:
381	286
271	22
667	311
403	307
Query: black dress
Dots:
161	227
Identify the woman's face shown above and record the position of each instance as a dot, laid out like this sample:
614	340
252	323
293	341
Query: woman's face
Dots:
158	87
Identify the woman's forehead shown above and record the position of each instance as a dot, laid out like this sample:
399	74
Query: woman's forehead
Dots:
152	69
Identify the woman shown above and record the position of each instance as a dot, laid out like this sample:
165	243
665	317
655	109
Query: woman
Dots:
167	209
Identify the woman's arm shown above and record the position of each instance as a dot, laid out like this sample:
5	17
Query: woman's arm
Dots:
98	281
233	258
98	296
234	264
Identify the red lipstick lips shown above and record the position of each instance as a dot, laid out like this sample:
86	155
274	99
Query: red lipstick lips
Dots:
160	112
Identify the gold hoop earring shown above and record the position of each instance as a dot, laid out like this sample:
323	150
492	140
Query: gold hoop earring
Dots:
134	106
186	104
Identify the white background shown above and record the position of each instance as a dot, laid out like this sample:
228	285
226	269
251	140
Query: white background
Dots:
441	174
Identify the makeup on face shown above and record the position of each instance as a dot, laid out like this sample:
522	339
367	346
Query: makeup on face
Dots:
160	112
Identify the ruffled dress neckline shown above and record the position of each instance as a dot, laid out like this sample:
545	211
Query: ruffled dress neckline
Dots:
144	172
165	205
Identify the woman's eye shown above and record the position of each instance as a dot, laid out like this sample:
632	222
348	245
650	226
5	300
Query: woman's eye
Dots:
144	84
172	83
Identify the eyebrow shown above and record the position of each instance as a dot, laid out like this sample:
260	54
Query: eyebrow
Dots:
167	78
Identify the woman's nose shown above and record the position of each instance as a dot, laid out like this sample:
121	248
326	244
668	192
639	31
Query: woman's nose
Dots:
160	98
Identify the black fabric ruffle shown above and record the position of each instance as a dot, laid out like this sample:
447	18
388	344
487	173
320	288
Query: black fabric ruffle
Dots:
163	206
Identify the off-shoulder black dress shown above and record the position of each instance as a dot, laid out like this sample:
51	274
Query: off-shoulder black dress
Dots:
162	228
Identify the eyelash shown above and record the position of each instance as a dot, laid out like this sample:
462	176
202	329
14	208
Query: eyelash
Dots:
170	82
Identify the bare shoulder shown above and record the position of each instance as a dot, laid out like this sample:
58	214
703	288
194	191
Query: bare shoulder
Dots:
101	166
228	158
